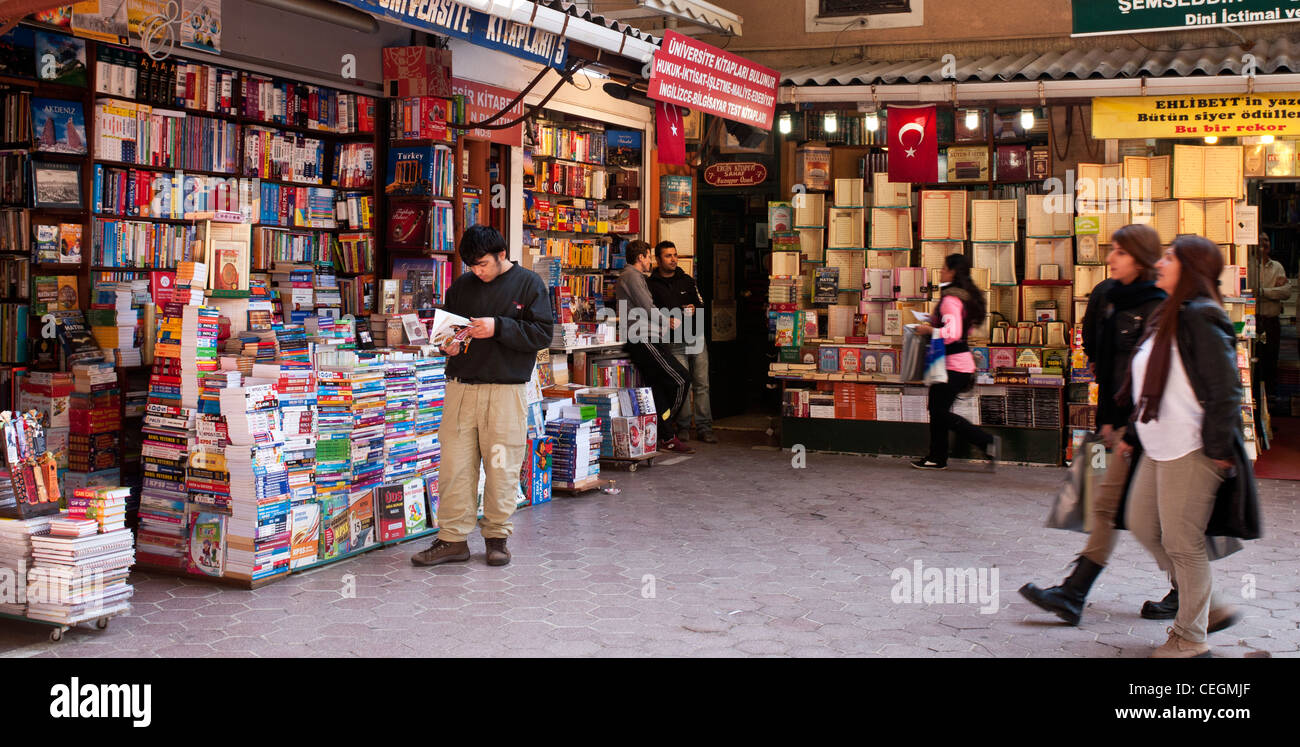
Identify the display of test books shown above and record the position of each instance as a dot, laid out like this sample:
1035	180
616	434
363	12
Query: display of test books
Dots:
56	185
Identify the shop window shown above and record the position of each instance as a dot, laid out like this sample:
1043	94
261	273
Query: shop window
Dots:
830	16
862	7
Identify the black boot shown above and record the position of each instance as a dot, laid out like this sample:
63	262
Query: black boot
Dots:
1165	609
1066	600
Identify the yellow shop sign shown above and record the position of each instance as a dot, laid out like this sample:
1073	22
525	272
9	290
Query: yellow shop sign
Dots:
1196	116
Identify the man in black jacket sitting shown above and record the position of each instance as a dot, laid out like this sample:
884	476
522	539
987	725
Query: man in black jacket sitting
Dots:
676	293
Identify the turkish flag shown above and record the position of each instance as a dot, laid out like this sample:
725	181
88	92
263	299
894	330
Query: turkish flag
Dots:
913	144
670	133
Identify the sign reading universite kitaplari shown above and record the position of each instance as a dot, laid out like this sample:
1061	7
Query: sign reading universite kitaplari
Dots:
1093	17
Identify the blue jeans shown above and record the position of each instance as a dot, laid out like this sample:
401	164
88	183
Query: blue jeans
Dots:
697	364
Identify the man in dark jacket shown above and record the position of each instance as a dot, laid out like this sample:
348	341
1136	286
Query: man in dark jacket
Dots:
676	294
485	417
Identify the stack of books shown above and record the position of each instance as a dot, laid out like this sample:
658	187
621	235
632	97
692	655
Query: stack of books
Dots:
296	390
606	402
105	506
577	450
16	557
80	578
333	456
114	319
258	539
65	526
367	446
95	424
165	451
198	349
401	451
208	476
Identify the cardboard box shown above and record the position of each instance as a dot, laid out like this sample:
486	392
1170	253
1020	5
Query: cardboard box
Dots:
650	432
629	437
417	71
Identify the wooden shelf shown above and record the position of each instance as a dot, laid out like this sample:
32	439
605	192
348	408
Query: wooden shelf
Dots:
361	136
145	219
148	167
167	107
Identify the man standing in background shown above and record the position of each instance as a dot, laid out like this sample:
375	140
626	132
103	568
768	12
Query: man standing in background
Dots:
666	377
1273	290
676	291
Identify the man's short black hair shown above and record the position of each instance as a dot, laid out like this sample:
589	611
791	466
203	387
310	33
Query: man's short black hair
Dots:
478	241
636	250
661	246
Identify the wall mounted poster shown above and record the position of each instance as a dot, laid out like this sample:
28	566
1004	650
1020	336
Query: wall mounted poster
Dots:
60	58
101	20
201	25
675	195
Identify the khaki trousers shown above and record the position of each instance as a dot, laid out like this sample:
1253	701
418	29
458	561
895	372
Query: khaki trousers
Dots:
1105	504
484	423
1169	507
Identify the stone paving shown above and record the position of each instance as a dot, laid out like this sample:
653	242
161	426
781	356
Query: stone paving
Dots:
731	552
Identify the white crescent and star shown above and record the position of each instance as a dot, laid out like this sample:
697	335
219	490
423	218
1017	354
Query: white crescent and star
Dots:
911	152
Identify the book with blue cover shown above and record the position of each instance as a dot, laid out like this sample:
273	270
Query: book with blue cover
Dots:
59	126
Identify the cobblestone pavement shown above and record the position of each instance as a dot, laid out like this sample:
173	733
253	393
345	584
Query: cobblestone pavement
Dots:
731	552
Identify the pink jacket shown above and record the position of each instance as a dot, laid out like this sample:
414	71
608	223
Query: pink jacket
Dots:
951	313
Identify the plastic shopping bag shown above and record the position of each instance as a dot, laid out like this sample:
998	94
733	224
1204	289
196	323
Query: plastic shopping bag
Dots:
936	362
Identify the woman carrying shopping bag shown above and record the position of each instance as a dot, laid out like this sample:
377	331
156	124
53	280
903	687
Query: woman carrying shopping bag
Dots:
1118	311
1187	418
961	306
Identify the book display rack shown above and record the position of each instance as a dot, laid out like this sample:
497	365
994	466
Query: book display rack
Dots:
1037	253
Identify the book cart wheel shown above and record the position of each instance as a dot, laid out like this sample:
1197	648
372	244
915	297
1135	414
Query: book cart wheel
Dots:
56	635
102	623
631	467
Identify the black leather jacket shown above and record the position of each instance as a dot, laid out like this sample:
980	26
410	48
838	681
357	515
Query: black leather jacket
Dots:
1207	346
1111	333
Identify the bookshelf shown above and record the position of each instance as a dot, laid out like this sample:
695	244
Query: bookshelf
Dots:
583	201
204	122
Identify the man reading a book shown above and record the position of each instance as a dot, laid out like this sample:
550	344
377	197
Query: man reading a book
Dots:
676	293
484	417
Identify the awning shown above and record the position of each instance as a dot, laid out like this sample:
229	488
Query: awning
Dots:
702	17
1280	55
1266	66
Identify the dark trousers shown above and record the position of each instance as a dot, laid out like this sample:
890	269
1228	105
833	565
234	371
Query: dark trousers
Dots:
943	420
667	379
1268	329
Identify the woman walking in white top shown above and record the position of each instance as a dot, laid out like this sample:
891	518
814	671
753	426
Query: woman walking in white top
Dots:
1187	417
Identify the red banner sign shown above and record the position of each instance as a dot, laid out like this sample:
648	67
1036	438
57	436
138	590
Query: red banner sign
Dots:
483	101
735	174
705	78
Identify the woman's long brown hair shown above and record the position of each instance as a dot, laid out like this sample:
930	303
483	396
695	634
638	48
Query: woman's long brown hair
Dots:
1200	263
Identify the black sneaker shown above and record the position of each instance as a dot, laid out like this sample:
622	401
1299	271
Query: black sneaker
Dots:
927	464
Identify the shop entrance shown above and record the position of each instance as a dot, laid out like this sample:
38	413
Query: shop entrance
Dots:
1279	219
732	237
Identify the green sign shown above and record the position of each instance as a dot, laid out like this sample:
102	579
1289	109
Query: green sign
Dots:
1093	17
